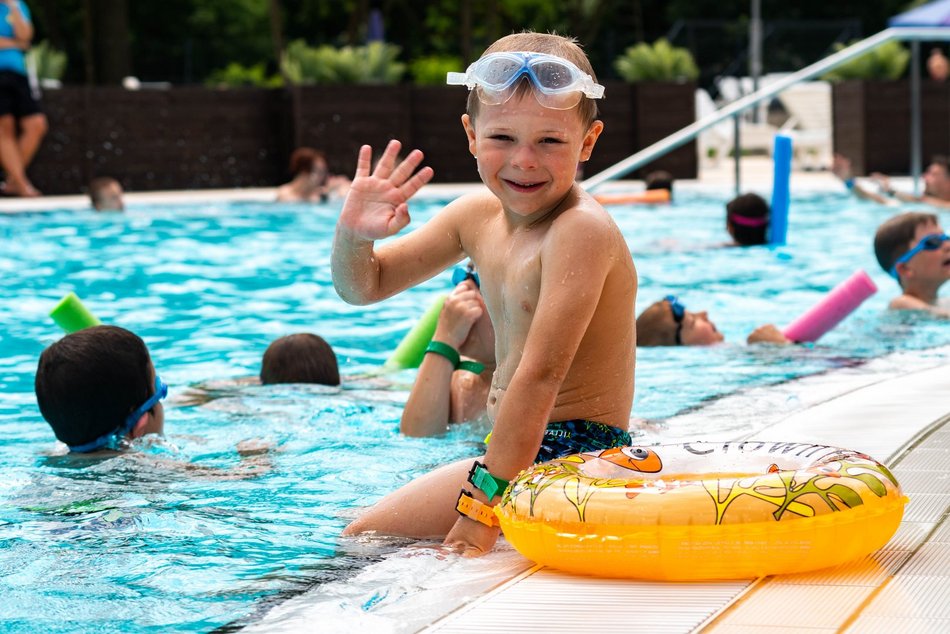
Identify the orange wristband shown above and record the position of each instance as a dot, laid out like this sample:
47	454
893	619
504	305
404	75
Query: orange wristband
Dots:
474	510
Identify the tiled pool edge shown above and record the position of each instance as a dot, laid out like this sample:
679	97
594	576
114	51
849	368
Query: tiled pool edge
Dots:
497	612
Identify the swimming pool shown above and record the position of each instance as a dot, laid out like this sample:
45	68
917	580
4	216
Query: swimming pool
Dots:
134	545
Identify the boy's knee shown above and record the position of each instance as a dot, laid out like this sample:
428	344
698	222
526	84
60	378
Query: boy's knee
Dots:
355	527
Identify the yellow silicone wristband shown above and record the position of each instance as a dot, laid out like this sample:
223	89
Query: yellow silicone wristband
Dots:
471	508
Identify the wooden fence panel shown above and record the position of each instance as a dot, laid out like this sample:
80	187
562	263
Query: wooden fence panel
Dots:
199	138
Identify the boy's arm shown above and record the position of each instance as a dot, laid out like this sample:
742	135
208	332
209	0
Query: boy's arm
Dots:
22	28
376	207
841	167
428	408
571	285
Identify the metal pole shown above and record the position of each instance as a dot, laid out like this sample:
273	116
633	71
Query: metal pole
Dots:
915	139
736	149
675	140
755	51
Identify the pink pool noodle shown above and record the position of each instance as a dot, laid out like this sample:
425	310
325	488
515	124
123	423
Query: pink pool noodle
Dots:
836	305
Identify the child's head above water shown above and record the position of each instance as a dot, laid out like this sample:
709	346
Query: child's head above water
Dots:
912	240
523	62
300	358
668	323
97	387
747	219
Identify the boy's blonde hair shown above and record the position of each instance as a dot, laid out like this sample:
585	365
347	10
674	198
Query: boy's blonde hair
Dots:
893	238
551	44
656	326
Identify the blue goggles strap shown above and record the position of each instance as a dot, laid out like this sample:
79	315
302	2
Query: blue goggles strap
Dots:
111	440
930	242
678	309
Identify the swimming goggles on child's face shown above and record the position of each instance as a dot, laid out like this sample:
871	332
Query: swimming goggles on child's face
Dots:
678	312
558	84
111	440
930	242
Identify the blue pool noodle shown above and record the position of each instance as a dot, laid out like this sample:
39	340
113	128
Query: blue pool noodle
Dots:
782	160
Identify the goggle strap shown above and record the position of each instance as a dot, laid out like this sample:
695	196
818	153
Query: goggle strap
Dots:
458	79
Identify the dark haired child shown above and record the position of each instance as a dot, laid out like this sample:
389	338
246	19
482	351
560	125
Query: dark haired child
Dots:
915	251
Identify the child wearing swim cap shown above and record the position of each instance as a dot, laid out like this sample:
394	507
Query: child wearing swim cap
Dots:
557	279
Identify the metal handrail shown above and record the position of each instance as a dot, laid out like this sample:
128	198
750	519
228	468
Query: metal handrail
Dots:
738	106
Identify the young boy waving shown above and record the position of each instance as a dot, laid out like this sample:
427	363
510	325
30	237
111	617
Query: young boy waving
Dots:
556	275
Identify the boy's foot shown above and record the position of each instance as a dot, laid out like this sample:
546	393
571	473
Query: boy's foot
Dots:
25	190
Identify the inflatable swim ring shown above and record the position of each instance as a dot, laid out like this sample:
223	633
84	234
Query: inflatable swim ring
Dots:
702	510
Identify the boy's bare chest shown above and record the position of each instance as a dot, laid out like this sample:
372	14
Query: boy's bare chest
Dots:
510	267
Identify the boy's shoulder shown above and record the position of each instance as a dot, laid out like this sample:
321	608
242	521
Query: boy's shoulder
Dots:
583	212
909	302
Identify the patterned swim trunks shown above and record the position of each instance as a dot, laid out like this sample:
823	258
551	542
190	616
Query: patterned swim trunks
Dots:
576	436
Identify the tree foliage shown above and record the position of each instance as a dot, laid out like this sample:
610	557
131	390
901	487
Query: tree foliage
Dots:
186	41
374	63
659	62
887	61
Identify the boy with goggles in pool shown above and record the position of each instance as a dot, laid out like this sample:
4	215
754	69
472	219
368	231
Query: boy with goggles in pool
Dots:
556	277
98	390
668	323
915	251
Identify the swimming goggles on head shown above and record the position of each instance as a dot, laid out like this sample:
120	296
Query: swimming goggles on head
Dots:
558	83
112	439
930	242
678	311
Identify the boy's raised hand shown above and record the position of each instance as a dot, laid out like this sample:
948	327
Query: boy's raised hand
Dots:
377	204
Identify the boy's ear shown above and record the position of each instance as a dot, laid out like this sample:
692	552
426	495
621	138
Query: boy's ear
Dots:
469	126
590	139
138	430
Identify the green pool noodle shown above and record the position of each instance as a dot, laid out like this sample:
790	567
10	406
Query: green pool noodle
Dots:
71	315
412	348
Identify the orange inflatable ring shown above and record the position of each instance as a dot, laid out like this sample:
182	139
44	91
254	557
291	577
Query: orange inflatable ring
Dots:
702	510
648	196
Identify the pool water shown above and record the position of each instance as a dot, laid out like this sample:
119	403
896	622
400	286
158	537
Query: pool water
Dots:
186	536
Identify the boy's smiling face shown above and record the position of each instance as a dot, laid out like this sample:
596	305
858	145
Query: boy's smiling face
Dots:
528	154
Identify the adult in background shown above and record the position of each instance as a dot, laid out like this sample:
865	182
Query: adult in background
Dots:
22	123
105	194
312	181
936	184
